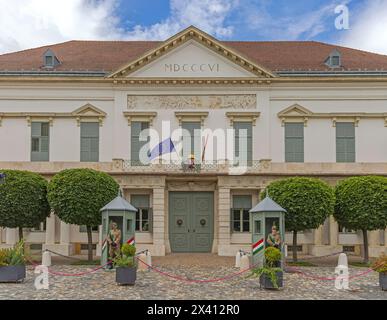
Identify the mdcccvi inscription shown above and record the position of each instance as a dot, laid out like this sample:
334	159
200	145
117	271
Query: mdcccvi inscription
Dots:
192	67
181	102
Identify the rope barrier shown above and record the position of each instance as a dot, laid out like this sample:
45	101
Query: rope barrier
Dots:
183	279
70	274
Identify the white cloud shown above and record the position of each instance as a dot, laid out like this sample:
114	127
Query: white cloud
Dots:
208	15
301	26
368	27
31	23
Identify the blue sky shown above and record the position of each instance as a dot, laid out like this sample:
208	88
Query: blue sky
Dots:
266	13
31	23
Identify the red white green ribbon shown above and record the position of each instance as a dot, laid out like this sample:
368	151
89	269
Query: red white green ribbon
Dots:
258	246
131	241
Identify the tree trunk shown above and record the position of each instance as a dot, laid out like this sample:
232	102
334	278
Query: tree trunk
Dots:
365	238
294	248
20	233
89	243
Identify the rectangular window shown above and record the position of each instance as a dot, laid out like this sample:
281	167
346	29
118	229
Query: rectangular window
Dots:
243	143
191	140
345	142
294	142
136	144
40	140
144	214
89	142
240	215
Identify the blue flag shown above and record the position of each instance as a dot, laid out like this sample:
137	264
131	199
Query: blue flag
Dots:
164	147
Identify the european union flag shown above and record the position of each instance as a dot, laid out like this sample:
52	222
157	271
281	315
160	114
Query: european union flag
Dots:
164	147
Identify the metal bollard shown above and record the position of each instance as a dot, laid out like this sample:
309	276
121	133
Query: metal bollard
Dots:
46	259
245	262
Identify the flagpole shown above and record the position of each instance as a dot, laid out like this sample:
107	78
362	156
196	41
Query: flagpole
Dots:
204	149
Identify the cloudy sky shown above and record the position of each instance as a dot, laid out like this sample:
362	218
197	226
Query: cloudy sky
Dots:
31	23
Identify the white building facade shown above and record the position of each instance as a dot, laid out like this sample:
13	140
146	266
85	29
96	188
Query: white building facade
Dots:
325	120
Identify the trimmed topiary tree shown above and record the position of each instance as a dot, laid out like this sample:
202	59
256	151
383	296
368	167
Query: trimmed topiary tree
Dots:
361	204
23	200
308	203
77	195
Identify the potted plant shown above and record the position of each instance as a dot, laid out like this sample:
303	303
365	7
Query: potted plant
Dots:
126	267
270	274
13	264
380	266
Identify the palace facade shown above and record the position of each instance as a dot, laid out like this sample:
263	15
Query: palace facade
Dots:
307	109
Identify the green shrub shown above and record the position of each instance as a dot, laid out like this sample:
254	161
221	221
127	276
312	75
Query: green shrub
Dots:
128	250
361	204
14	256
126	259
308	202
23	200
77	196
272	256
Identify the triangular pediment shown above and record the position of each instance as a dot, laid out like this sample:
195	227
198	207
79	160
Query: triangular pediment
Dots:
294	111
89	110
192	54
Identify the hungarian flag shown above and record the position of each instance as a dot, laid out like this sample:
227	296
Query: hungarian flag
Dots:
258	246
131	241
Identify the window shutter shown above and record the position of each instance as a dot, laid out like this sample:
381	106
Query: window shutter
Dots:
294	142
136	144
345	142
40	141
240	152
192	140
90	142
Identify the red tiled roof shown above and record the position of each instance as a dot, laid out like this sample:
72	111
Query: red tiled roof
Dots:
108	56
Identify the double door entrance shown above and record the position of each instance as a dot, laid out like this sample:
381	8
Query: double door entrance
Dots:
191	221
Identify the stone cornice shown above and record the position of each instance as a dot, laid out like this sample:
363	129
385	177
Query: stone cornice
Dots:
192	33
243	117
87	112
140	116
191	116
298	113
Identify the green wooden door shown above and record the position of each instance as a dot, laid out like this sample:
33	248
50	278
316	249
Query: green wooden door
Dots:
191	221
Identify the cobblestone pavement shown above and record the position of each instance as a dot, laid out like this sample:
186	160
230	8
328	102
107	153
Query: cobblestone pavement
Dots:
153	286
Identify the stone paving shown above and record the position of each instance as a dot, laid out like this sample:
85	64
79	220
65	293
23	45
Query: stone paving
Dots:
150	285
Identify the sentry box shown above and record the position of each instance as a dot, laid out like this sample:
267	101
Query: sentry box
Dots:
123	214
264	216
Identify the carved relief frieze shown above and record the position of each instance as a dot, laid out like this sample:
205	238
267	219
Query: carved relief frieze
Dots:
182	102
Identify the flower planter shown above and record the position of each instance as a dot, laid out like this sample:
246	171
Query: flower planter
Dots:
265	281
126	276
383	281
12	273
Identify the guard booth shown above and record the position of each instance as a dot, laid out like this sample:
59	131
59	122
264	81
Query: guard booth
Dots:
264	216
123	213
